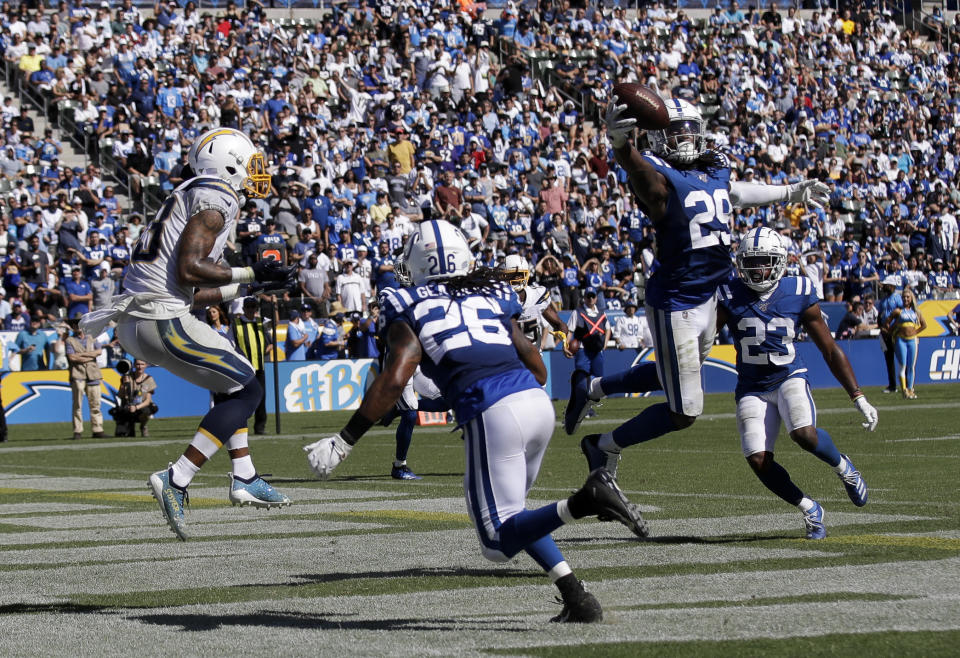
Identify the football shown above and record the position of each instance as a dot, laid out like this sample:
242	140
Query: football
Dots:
573	345
643	104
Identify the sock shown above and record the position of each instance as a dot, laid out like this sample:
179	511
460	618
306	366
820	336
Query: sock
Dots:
656	420
243	468
183	472
560	571
805	504
544	552
206	443
777	480
397	463
641	378
408	420
521	530
563	511
842	466
606	442
825	450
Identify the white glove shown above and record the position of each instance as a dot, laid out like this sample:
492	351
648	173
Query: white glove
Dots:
869	413
809	191
324	455
618	123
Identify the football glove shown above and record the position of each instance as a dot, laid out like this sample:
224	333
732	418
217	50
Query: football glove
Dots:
619	125
290	284
271	271
324	455
810	191
869	413
559	336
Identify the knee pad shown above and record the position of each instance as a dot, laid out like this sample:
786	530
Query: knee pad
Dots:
493	554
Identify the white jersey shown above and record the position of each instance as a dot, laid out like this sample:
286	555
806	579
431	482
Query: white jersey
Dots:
632	332
535	302
153	263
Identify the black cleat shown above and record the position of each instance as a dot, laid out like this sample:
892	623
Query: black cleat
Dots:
582	608
608	502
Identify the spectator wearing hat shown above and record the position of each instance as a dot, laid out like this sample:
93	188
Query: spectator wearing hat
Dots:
891	301
78	294
589	325
85	378
32	343
630	330
402	152
332	340
298	339
351	288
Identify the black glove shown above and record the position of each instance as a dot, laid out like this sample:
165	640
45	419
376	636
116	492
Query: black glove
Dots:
271	271
290	284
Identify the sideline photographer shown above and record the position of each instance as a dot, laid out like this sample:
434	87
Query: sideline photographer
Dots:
136	398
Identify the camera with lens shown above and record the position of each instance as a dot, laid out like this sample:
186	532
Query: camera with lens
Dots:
124	366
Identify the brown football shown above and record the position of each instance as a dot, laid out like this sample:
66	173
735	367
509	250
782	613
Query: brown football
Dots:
643	104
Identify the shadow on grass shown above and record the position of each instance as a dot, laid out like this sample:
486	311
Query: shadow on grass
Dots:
682	539
321	621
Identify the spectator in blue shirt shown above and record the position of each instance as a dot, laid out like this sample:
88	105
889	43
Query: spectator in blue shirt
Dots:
78	293
298	338
32	345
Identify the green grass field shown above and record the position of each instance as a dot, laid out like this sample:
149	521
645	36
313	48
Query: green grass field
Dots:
365	565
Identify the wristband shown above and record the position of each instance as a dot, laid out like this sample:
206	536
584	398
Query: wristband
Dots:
230	292
857	394
355	428
241	275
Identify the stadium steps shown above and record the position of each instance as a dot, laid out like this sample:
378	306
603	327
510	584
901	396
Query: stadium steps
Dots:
71	156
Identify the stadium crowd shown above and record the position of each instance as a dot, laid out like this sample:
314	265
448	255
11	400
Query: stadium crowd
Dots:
375	117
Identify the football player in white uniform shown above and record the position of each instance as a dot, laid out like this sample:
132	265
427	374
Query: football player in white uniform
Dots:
535	300
175	266
460	326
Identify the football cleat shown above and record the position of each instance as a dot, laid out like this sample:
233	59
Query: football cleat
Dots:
579	403
172	500
813	520
403	473
258	493
608	503
854	484
597	457
582	608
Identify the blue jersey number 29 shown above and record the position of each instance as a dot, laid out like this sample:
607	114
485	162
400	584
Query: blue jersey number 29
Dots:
711	225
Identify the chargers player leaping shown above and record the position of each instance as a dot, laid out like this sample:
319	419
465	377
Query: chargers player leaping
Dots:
687	193
765	312
176	253
460	326
535	301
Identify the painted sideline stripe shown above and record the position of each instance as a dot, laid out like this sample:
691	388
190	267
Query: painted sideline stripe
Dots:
949	437
445	429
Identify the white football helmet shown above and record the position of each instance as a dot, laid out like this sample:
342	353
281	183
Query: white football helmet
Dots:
761	259
229	155
683	141
437	250
517	270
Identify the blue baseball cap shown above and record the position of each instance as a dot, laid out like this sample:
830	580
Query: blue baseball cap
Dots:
590	291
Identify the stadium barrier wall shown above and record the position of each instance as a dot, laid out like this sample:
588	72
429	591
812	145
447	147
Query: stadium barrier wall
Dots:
44	396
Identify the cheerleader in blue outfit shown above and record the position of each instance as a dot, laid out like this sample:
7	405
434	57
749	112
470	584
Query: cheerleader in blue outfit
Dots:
907	323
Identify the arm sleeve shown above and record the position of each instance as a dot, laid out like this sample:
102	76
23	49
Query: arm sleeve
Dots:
752	195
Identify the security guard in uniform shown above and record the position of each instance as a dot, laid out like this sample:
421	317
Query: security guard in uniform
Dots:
249	337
